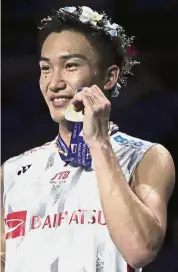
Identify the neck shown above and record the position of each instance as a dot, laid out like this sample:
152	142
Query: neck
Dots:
65	131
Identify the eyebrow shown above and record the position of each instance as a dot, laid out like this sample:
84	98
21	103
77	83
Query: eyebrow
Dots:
66	57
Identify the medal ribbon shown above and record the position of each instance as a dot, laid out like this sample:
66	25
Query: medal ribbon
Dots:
78	153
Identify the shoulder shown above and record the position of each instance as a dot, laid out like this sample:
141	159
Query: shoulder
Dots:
158	158
26	158
156	170
158	153
129	151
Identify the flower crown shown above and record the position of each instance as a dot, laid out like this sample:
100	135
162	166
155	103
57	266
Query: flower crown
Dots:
101	22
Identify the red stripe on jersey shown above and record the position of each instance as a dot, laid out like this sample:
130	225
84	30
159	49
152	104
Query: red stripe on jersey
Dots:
130	269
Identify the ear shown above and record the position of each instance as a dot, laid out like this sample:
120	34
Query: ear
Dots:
112	76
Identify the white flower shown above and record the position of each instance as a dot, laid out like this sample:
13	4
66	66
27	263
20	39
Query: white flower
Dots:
69	9
113	33
88	15
46	19
112	29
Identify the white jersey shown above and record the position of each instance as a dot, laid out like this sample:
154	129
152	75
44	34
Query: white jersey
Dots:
53	215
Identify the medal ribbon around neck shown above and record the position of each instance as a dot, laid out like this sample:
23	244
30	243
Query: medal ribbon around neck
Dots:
78	154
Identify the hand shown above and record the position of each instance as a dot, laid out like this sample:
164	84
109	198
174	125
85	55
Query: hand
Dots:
96	114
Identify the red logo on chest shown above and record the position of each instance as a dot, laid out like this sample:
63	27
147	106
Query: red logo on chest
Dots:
15	224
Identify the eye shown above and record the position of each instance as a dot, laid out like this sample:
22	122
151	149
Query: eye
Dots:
71	65
45	68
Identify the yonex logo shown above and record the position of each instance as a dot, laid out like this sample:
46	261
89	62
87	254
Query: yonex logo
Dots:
24	169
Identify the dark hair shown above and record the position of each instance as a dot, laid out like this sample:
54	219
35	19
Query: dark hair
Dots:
110	49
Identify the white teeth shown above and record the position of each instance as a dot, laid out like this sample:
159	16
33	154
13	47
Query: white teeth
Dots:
60	99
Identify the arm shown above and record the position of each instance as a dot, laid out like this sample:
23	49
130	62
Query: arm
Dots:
2	227
136	217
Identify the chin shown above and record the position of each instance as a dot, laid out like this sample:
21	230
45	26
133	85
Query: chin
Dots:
58	119
58	116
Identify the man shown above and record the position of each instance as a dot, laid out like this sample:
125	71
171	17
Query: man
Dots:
94	199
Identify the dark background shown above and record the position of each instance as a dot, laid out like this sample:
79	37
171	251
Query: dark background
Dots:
146	108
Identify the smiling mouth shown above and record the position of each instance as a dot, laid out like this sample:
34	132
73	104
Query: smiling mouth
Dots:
60	101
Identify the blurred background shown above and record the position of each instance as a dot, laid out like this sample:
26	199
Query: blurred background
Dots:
146	108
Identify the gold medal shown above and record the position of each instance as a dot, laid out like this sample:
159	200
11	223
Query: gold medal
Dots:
72	115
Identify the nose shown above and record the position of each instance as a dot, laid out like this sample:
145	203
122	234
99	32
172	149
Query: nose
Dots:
57	82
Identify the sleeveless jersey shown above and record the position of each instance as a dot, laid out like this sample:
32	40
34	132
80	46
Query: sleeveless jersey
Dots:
54	220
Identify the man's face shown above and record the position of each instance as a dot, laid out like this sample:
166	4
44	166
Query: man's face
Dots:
67	62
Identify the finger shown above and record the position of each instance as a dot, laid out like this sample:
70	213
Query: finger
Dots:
79	95
104	102
98	91
94	98
97	97
88	104
77	100
97	107
84	101
101	98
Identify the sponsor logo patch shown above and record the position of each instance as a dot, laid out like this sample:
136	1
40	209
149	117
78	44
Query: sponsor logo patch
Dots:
23	169
120	139
59	178
15	222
